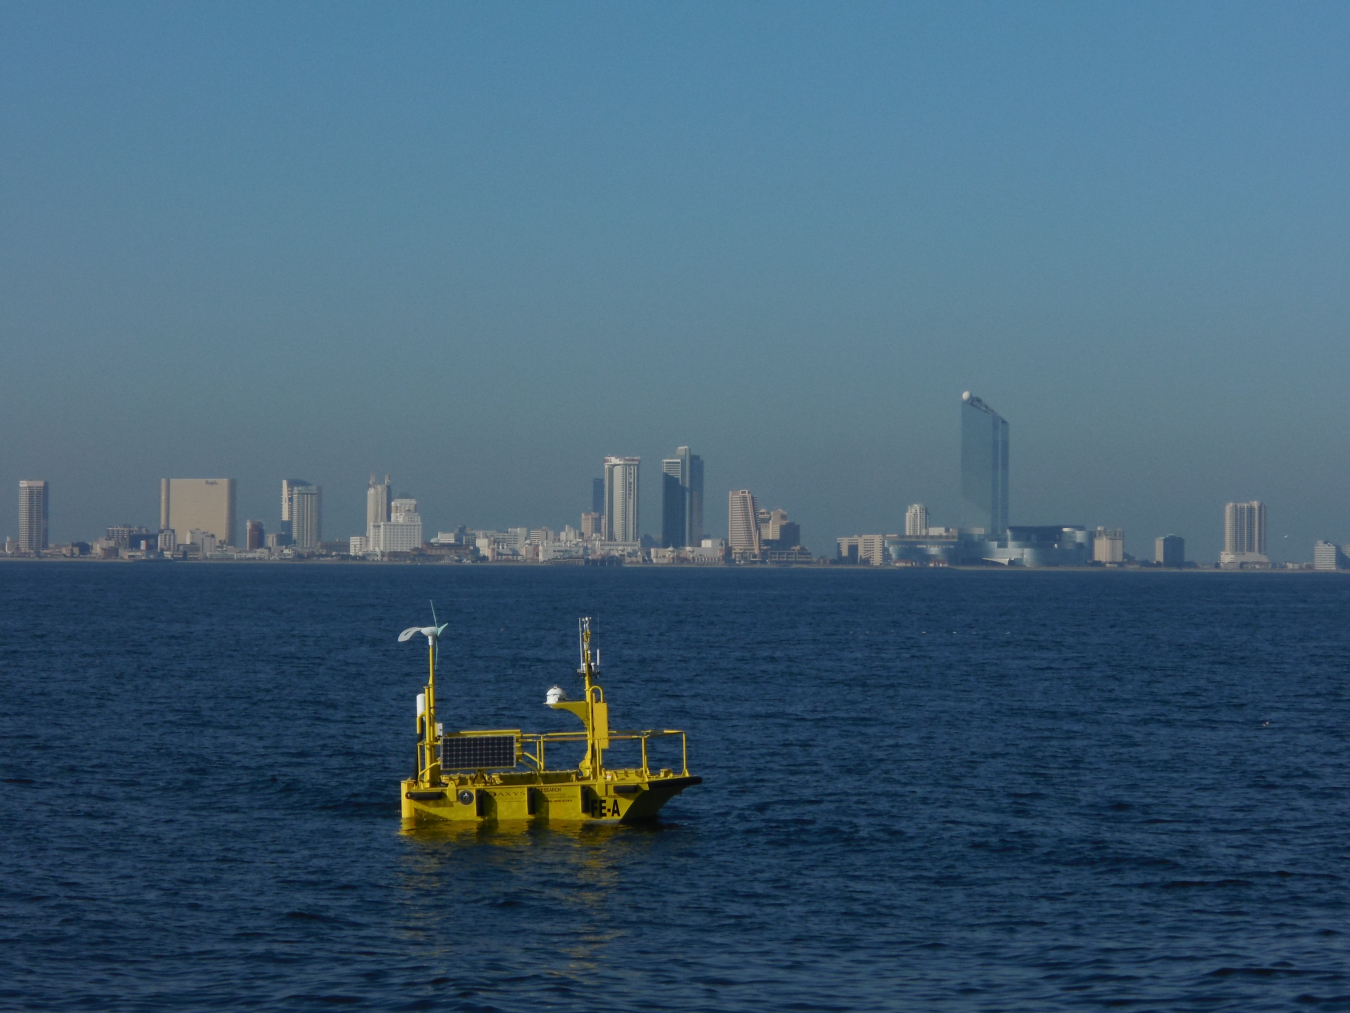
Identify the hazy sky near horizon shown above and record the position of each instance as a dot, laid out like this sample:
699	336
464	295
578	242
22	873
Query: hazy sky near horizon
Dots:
481	246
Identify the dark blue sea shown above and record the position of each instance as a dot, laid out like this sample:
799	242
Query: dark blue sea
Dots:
923	790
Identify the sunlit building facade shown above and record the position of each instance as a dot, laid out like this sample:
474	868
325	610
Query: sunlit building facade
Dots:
1244	534
377	504
743	523
203	504
401	533
32	515
1108	546
620	519
916	520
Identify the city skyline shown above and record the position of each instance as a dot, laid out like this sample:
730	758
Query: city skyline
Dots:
837	220
191	509
199	507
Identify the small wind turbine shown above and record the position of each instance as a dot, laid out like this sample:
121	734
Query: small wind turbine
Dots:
430	632
433	635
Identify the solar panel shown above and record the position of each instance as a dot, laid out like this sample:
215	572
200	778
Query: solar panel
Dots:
477	752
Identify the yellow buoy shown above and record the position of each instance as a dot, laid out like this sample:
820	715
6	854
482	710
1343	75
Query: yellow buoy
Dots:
502	774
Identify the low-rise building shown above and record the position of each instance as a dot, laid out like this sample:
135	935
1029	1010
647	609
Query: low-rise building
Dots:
870	549
123	535
932	546
205	541
1028	545
711	550
1330	556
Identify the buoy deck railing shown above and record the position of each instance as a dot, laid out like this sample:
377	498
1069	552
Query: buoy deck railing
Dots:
538	741
537	760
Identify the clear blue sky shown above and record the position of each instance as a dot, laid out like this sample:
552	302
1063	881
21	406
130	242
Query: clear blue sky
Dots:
480	247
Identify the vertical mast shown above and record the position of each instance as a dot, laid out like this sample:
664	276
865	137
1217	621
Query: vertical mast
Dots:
428	737
590	703
592	763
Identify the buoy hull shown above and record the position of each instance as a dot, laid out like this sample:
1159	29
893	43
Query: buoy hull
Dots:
473	800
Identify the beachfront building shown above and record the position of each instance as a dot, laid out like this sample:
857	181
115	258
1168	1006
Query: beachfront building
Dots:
1244	535
32	515
621	499
203	504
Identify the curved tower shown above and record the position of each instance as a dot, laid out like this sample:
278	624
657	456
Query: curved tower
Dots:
984	466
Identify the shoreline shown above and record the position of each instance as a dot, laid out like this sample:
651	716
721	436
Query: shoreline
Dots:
827	566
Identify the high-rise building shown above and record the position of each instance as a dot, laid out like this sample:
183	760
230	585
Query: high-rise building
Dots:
682	499
1108	546
254	536
377	503
672	502
598	496
621	499
402	532
692	480
984	466
203	504
743	522
1169	550
1244	533
306	516
776	531
916	520
590	524
32	515
287	527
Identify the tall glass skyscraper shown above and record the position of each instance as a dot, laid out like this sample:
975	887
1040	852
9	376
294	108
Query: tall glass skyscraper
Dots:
672	503
693	497
984	466
682	499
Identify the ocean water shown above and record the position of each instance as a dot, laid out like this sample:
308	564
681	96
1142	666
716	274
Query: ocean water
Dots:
923	790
